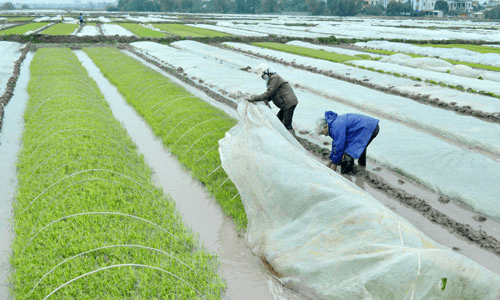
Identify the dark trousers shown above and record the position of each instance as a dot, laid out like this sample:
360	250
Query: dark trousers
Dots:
362	158
285	115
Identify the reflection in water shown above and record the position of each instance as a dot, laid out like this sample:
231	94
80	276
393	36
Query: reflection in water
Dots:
10	143
246	277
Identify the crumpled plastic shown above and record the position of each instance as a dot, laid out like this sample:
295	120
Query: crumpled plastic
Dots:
328	238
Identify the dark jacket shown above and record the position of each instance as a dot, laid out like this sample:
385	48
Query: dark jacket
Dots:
278	91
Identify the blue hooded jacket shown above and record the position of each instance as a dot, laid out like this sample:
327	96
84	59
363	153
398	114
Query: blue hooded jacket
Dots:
350	133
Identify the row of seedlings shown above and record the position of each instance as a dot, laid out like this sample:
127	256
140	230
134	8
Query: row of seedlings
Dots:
22	29
89	221
189	127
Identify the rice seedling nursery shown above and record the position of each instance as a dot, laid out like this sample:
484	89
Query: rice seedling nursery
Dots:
91	218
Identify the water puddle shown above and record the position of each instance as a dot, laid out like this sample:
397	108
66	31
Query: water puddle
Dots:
245	274
10	143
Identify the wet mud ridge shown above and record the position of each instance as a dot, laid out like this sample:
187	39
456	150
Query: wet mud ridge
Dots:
477	237
11	84
425	99
422	206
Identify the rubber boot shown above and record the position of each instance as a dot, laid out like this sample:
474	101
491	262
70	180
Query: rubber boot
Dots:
347	165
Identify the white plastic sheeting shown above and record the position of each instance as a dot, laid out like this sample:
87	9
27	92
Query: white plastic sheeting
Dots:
462	128
332	49
476	101
439	65
227	28
452	170
89	30
459	54
459	75
326	236
114	29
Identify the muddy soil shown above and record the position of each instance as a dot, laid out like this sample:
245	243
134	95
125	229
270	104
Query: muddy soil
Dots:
11	84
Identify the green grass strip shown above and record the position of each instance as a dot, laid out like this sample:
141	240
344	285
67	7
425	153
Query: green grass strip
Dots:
60	29
189	127
321	54
189	31
23	28
476	48
142	31
89	221
474	65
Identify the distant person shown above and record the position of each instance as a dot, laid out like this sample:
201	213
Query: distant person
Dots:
280	92
81	19
351	134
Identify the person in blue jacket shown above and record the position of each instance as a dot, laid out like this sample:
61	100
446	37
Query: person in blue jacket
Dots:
351	134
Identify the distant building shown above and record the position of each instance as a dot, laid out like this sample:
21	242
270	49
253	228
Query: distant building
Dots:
423	5
378	2
460	6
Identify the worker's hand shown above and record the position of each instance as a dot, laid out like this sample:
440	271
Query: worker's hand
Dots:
332	166
250	99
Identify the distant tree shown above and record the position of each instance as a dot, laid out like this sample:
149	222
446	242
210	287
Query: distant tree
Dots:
344	7
373	10
441	5
494	13
240	6
112	8
25	6
270	6
294	5
251	6
138	5
316	7
7	6
395	8
222	6
166	5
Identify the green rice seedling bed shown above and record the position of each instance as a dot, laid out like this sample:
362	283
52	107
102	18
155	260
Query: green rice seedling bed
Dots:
321	54
89	221
60	29
19	19
476	48
23	28
189	127
474	65
142	31
189	31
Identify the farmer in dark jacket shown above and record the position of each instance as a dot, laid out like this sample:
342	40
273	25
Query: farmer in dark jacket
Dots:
280	92
351	134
